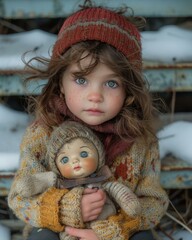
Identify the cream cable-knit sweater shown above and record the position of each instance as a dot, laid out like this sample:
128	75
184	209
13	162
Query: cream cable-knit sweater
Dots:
138	169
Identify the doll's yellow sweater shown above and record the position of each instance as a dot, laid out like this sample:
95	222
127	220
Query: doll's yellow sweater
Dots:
138	168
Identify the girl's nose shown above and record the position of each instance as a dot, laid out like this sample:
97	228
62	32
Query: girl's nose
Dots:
95	97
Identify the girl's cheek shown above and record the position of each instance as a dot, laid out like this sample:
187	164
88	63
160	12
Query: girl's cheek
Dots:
72	101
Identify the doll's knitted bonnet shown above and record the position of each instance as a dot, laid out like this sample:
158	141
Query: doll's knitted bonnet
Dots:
100	24
66	132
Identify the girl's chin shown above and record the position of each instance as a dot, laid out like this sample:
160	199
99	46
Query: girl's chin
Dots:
93	122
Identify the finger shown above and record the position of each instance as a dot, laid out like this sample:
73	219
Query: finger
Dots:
95	196
96	211
97	204
94	206
89	215
75	232
100	195
92	218
92	214
90	190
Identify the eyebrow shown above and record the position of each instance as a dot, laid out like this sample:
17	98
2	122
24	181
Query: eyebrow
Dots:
80	147
111	75
60	153
77	71
85	147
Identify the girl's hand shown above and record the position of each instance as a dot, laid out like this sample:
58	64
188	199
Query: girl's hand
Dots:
82	234
92	203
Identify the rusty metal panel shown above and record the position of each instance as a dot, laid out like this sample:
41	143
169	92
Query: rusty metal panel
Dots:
61	8
14	85
6	179
180	179
169	79
176	173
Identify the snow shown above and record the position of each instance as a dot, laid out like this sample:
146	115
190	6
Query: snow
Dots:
5	233
175	139
13	46
178	235
169	44
12	126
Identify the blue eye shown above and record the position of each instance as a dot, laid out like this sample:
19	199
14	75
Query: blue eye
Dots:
81	81
84	154
112	84
64	160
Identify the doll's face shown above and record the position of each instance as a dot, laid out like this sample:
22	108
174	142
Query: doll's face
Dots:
77	159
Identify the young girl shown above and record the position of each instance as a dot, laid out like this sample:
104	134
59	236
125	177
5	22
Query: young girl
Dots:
95	78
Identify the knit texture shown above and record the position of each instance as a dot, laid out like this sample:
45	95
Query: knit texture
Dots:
50	209
34	184
118	227
138	168
102	25
123	195
70	208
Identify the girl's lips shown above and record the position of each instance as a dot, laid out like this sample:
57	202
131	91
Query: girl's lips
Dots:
94	111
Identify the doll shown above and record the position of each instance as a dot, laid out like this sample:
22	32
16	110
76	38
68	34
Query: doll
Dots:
77	156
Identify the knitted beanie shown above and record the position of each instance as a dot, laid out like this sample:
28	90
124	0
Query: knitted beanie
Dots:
103	25
66	132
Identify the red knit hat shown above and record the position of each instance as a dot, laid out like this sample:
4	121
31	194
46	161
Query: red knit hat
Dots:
103	25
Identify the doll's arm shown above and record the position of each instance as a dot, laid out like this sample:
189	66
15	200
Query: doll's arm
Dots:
31	185
124	197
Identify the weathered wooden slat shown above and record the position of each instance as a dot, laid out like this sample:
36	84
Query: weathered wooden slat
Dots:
60	8
13	224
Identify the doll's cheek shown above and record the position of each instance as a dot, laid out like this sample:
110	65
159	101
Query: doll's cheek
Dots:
90	165
66	171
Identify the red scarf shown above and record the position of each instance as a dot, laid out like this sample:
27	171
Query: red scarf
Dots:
114	145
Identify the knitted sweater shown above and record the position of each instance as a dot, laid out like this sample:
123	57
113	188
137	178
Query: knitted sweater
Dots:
138	168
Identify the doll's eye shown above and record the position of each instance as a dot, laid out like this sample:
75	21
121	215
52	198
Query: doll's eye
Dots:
84	154
64	160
